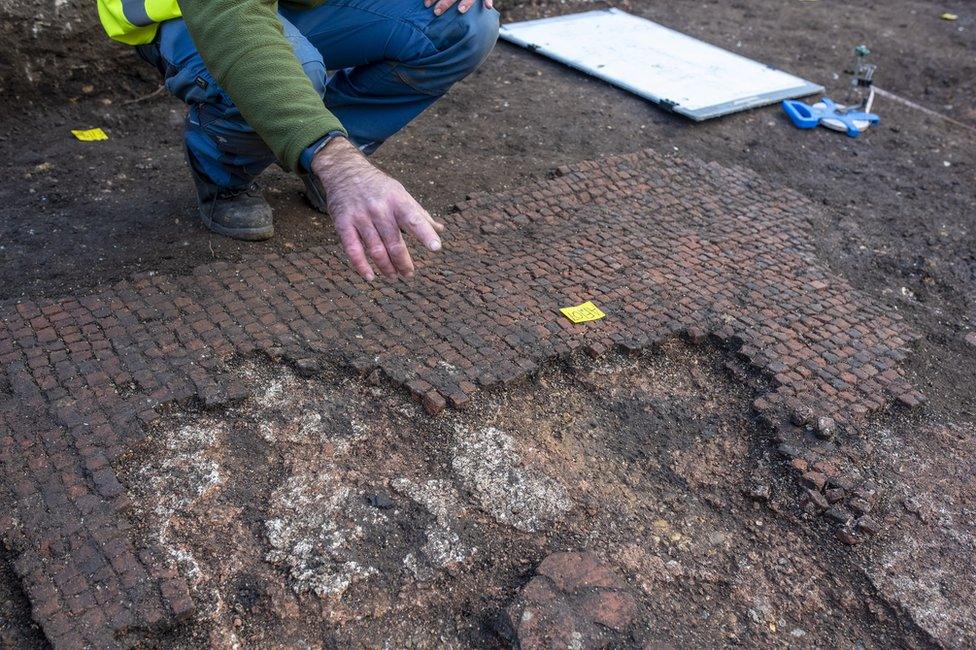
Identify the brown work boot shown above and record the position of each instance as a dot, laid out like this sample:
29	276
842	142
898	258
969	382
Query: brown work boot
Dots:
241	214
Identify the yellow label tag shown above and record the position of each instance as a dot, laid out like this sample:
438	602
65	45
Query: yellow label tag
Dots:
89	135
948	16
582	313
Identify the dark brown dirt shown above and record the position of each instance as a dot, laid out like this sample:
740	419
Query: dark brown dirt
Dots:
16	628
53	48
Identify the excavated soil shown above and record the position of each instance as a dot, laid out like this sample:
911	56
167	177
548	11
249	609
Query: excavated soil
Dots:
330	511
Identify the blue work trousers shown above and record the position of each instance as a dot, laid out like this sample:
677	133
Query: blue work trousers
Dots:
390	60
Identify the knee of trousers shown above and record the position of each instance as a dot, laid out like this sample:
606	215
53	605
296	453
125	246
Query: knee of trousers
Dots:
477	33
463	42
316	73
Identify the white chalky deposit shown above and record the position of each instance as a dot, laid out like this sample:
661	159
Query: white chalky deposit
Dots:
490	466
443	546
177	479
314	533
294	415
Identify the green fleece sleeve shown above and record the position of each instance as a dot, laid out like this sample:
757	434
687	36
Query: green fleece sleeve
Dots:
244	47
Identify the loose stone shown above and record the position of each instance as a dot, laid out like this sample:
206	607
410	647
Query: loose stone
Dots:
839	514
868	525
814	480
847	536
826	428
834	495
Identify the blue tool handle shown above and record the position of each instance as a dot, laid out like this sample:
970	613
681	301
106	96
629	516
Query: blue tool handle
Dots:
800	114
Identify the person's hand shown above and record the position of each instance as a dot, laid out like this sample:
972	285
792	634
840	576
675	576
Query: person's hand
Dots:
440	6
371	211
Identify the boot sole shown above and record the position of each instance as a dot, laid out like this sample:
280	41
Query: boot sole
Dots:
244	234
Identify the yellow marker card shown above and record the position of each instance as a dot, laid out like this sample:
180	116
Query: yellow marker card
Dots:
89	135
948	16
582	313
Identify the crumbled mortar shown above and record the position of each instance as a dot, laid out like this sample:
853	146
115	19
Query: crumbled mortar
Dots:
316	524
490	465
443	547
186	473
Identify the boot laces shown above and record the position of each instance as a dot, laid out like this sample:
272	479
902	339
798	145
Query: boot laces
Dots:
225	193
250	190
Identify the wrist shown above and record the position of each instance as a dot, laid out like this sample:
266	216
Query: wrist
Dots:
338	163
338	150
305	159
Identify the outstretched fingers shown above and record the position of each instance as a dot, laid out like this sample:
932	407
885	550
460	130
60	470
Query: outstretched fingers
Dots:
436	225
353	246
378	249
396	248
379	239
415	220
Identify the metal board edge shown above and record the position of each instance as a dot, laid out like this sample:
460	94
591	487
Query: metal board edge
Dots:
572	63
718	110
755	101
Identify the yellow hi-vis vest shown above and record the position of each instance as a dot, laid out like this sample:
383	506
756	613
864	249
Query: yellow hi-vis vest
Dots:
135	22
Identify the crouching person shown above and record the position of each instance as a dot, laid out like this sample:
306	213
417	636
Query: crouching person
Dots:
254	75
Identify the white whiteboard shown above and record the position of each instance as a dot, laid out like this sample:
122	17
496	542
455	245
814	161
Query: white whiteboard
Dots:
678	72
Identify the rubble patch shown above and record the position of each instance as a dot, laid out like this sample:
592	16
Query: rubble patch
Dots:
407	530
490	466
443	547
185	473
316	526
923	564
292	414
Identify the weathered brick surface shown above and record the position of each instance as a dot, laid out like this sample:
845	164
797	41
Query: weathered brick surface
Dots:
574	601
665	247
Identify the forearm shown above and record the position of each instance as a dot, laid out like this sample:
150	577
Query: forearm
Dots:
244	47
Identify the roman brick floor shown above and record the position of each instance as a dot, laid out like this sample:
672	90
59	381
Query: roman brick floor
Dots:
665	247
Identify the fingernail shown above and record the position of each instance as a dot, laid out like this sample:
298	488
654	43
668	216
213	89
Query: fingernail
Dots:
370	277
434	245
438	11
462	9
